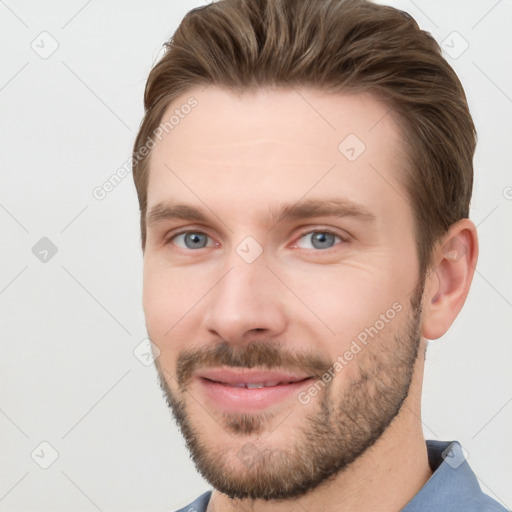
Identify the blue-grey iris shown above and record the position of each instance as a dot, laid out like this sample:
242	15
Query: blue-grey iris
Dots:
195	240
322	240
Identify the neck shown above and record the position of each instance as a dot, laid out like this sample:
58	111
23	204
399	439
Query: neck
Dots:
385	478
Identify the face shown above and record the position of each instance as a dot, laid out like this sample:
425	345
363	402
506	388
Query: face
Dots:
281	283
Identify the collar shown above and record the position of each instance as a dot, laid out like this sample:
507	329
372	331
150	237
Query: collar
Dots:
453	486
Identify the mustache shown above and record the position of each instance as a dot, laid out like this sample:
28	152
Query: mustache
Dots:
267	355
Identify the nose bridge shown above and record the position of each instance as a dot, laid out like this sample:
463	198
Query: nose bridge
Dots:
245	298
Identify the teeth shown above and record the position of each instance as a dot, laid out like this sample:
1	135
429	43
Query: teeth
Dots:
257	385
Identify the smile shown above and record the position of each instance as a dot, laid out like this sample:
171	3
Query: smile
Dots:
247	390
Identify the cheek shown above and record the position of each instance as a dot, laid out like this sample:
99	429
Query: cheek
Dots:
163	299
171	298
352	298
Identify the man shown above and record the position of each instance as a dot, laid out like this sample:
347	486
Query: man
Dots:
304	173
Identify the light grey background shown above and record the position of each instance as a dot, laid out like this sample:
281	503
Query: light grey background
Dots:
69	326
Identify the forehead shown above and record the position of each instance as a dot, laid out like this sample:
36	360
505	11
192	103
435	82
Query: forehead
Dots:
273	144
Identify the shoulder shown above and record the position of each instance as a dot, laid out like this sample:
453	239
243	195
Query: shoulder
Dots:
487	504
453	486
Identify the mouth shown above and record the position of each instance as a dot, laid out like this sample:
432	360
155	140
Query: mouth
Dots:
257	385
249	390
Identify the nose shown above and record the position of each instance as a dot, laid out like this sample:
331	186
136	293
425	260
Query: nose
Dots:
245	302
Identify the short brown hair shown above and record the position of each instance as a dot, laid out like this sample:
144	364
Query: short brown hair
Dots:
332	45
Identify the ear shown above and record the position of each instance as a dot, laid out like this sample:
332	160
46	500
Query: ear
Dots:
448	281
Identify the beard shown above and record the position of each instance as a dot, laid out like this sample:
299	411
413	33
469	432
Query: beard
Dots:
330	436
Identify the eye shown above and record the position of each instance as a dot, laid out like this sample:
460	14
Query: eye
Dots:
318	240
191	240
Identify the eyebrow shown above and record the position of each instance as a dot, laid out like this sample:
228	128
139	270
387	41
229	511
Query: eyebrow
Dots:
332	207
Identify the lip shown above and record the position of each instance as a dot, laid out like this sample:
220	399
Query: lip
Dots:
220	386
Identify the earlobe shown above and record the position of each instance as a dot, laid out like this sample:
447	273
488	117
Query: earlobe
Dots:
447	284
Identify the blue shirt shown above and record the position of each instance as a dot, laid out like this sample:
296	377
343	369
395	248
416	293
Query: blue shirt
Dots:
453	486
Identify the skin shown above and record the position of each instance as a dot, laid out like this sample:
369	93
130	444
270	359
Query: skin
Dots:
236	156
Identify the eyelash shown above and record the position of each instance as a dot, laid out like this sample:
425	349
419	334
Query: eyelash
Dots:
343	239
